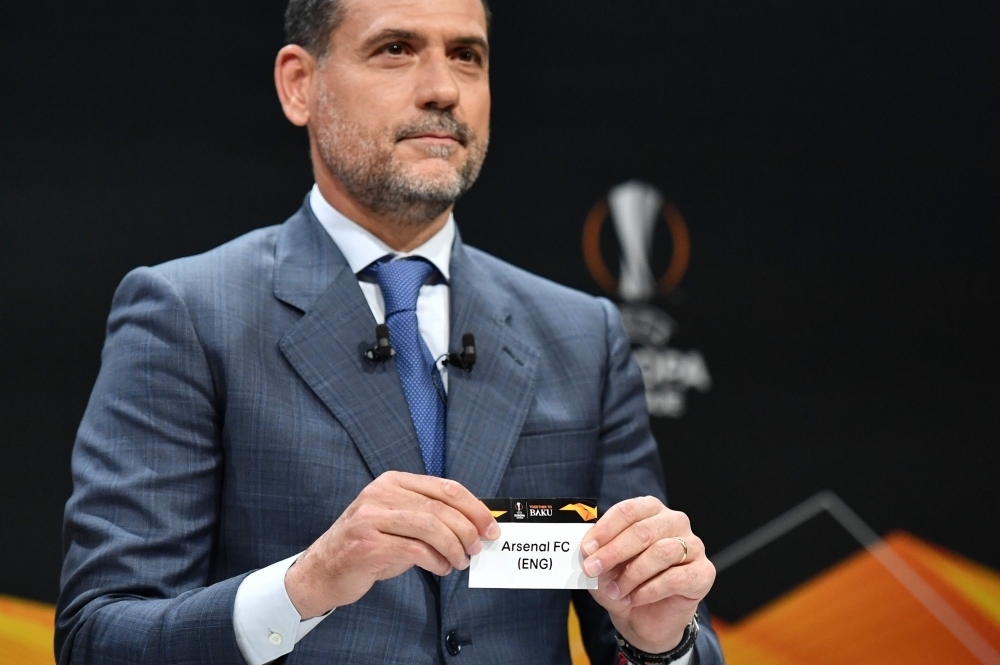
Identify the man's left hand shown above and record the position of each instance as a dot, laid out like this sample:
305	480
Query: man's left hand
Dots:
645	581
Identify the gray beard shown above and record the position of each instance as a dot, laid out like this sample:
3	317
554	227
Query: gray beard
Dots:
375	180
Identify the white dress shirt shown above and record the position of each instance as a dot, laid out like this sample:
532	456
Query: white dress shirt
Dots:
266	623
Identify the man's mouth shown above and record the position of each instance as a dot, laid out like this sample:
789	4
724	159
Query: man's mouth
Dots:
442	130
441	138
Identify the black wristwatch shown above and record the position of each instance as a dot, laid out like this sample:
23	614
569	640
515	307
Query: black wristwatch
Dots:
633	656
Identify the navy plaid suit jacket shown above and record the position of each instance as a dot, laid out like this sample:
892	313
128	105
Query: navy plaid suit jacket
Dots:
234	419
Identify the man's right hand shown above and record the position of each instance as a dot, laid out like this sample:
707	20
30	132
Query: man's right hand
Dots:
400	520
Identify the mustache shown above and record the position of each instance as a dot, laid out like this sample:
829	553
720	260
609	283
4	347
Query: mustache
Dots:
442	121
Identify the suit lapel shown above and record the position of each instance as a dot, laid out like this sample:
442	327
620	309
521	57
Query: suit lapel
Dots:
487	407
325	347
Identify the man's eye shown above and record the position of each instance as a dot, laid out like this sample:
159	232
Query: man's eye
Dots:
468	55
394	49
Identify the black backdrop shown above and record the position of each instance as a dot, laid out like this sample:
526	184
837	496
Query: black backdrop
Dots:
837	164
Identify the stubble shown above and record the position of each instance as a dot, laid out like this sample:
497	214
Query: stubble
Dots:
366	166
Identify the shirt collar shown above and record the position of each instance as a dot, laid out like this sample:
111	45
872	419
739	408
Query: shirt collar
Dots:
361	248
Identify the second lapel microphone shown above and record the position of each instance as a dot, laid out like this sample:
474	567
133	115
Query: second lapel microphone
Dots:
467	358
383	350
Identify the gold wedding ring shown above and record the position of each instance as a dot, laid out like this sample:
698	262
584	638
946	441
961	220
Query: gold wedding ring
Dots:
685	546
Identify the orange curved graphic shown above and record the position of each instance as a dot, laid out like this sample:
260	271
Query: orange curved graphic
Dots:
583	510
822	623
857	612
26	632
679	259
592	248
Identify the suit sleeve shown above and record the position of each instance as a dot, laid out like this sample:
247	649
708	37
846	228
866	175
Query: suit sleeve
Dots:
629	466
140	527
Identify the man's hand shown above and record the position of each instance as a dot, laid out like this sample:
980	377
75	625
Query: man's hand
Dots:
400	520
647	584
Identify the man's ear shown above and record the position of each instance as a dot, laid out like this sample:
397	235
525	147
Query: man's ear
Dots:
293	71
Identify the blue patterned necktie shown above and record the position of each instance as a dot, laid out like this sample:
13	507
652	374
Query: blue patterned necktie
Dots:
400	282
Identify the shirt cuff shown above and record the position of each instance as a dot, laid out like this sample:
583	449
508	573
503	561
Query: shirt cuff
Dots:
685	659
267	625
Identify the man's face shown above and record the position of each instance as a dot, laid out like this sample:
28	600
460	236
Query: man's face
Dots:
402	104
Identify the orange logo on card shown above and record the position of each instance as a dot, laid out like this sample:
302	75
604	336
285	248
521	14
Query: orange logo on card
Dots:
583	510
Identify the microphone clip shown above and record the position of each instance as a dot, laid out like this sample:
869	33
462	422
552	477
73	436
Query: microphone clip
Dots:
382	351
466	359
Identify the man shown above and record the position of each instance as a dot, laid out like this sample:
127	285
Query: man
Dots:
250	485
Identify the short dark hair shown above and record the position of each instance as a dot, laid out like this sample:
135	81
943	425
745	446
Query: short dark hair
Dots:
309	23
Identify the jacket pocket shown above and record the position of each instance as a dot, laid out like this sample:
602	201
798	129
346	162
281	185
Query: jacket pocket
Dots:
556	447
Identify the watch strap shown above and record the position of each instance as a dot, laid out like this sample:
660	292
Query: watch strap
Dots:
629	655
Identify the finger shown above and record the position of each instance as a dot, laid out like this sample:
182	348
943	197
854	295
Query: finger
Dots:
631	542
620	516
661	555
688	584
427	528
388	493
410	552
453	494
463	529
615	605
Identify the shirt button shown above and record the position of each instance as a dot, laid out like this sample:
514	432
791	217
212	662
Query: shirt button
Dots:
275	639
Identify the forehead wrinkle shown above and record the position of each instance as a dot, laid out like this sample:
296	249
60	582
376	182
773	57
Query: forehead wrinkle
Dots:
420	25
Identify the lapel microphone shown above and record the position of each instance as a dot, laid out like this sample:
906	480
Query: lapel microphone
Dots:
467	358
382	350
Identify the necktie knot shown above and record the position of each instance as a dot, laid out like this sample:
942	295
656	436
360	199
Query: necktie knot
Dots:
400	282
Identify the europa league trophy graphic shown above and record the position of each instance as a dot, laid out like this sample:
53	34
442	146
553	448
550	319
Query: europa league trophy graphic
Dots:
635	208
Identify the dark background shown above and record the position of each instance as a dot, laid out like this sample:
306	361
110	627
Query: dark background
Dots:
837	164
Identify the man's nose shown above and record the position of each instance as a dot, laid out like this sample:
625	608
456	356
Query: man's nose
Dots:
438	88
